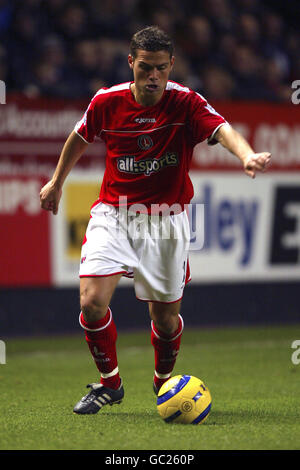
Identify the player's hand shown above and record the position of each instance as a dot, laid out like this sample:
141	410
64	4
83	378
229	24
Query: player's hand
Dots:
49	197
256	162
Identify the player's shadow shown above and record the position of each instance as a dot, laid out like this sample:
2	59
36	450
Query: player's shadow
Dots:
128	415
131	417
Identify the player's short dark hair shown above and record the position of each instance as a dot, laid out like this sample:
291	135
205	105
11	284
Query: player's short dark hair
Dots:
151	39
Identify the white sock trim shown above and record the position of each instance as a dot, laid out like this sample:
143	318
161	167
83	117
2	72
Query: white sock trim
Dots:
110	374
162	376
172	339
95	329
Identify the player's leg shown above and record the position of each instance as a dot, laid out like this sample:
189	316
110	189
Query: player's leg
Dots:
95	295
106	254
166	332
160	279
100	330
101	336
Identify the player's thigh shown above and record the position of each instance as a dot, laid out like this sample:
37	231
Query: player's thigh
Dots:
165	315
95	295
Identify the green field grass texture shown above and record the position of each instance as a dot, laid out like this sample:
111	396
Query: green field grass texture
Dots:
255	388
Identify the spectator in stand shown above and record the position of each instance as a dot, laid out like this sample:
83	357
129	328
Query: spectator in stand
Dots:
217	84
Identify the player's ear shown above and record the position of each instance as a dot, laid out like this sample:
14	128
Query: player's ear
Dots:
130	61
172	60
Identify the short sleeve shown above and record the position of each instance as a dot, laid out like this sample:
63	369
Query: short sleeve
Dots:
89	125
204	120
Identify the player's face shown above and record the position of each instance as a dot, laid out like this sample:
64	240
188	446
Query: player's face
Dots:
151	72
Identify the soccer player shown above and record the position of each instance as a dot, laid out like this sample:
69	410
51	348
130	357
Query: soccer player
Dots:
150	127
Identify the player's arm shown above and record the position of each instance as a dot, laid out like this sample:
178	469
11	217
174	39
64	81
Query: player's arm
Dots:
236	144
51	193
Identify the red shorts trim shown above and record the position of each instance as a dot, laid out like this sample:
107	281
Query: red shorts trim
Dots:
160	302
102	275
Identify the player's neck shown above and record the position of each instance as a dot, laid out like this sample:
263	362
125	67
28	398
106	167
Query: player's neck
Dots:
142	99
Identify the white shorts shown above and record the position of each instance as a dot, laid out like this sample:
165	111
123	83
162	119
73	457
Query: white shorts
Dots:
150	248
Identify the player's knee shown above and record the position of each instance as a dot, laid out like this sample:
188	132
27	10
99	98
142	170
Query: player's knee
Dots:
92	306
167	323
165	316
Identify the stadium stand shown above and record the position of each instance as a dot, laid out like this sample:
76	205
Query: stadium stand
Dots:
225	49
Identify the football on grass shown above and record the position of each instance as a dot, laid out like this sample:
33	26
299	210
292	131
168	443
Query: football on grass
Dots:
184	399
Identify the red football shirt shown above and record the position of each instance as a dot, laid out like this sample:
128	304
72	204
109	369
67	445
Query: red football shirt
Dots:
148	148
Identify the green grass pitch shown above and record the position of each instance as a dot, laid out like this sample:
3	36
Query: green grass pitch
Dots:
249	371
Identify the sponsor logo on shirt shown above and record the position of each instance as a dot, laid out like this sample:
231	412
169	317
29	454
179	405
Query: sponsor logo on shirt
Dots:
128	164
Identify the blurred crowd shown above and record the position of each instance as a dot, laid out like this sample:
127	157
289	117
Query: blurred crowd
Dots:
225	49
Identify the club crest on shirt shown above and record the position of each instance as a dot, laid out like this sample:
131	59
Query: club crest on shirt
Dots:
145	142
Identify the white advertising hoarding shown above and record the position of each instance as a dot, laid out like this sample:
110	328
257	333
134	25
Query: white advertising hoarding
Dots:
252	227
250	230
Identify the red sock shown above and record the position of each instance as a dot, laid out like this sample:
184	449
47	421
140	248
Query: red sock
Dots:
101	337
166	348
